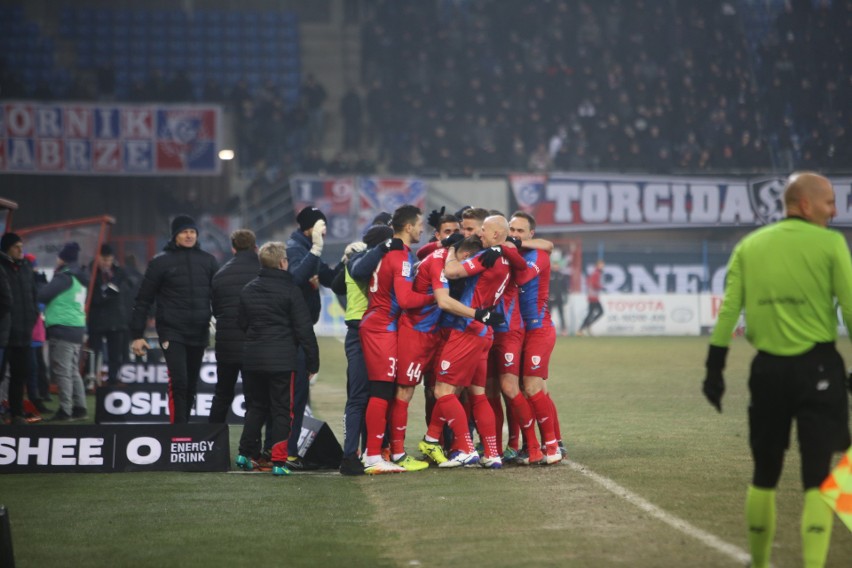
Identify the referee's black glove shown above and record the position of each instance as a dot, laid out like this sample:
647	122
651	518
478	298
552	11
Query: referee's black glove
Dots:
490	256
489	317
714	383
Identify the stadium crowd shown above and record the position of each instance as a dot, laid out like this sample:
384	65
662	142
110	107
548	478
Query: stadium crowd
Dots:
571	84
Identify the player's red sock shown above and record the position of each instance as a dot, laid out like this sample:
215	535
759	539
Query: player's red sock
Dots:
556	429
376	419
542	409
497	408
449	411
526	421
398	425
484	418
512	423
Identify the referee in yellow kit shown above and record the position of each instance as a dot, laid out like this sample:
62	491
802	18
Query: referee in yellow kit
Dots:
787	277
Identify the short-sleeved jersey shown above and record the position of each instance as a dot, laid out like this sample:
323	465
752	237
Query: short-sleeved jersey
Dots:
430	276
390	291
483	288
535	293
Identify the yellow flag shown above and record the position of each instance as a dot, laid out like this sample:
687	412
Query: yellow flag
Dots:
837	489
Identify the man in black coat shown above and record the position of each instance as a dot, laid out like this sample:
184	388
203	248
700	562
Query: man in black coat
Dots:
179	279
23	313
227	285
107	318
304	249
277	323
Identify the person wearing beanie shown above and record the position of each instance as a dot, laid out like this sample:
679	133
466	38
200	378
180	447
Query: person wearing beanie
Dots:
179	280
304	251
107	319
353	284
64	299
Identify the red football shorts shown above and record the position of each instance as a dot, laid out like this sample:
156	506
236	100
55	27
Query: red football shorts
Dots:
538	345
379	349
416	351
463	360
504	358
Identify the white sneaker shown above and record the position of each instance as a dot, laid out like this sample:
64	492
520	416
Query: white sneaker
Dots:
491	463
459	458
382	466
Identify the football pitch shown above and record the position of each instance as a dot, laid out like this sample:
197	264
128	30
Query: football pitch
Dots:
655	478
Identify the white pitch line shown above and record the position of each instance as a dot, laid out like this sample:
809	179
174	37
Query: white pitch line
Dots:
705	537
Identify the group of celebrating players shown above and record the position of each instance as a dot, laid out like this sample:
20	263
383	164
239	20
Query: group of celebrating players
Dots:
468	317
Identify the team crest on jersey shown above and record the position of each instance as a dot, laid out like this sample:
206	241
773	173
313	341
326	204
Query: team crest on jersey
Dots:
445	365
406	268
536	361
509	358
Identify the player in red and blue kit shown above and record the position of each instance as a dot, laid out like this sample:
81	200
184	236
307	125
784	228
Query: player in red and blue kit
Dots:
539	335
463	358
420	335
389	292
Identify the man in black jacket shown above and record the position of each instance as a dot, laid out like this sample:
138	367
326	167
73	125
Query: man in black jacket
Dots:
276	322
227	285
304	249
179	279
107	318
23	313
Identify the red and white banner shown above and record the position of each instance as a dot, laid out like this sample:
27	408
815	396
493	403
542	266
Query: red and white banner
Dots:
335	197
71	138
564	202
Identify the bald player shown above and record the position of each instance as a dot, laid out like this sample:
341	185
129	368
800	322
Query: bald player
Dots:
786	277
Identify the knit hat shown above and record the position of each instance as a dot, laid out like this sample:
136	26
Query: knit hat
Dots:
106	250
70	252
383	218
181	223
8	240
377	234
308	216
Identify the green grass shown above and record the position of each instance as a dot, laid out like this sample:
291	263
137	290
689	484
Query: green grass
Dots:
630	410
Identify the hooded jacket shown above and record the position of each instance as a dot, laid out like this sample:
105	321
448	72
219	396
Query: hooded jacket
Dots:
179	279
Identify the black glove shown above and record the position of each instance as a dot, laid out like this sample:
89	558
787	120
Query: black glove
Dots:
515	241
451	240
489	317
392	244
490	256
714	383
435	216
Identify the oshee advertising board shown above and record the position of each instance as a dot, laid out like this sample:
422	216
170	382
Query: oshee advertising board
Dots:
105	449
143	395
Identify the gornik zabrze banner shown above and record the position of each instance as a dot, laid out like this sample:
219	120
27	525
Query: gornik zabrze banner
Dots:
589	202
71	138
104	449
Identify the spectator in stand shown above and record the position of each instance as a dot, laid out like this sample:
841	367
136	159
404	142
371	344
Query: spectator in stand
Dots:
350	111
314	95
64	298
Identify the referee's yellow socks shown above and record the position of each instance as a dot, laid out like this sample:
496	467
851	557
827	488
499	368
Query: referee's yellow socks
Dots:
817	521
760	520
